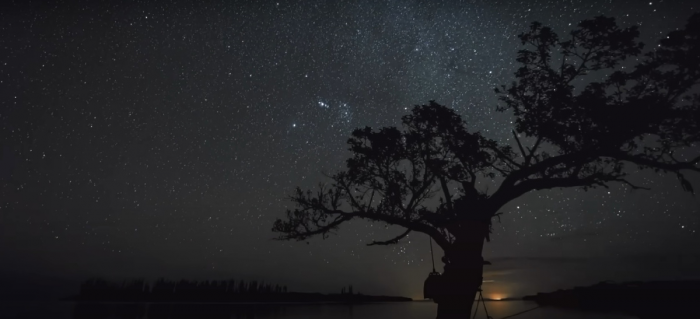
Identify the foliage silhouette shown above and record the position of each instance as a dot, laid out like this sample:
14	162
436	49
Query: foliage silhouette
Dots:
585	116
97	289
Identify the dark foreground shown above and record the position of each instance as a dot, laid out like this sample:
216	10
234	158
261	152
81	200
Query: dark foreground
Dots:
645	300
161	310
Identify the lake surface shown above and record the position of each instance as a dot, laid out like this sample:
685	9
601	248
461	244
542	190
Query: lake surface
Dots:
404	310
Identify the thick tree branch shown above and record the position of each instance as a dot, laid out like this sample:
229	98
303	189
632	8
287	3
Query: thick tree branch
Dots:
313	207
412	225
505	157
673	166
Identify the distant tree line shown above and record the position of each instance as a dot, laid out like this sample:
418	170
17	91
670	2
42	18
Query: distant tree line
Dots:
169	290
347	290
139	290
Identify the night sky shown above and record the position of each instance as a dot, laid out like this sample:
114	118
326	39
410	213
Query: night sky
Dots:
161	138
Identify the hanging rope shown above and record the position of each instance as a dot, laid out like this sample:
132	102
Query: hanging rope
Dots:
431	252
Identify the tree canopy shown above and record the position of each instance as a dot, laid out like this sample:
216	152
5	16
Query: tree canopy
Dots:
589	109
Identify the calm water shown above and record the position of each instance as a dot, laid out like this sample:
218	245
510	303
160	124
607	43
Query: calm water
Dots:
407	310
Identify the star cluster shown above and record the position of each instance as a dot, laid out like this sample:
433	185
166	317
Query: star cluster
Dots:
162	138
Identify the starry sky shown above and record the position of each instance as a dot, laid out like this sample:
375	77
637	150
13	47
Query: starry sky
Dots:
162	138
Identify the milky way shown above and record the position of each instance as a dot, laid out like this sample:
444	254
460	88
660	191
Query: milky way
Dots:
141	140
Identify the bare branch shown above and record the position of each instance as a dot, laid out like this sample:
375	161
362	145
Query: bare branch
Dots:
505	157
290	230
533	150
392	241
520	146
630	184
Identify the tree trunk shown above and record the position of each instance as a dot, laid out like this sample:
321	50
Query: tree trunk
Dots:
463	271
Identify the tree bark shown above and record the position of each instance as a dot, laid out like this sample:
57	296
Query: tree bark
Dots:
463	271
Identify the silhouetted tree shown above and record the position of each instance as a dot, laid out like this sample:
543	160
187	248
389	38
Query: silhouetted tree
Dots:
638	117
